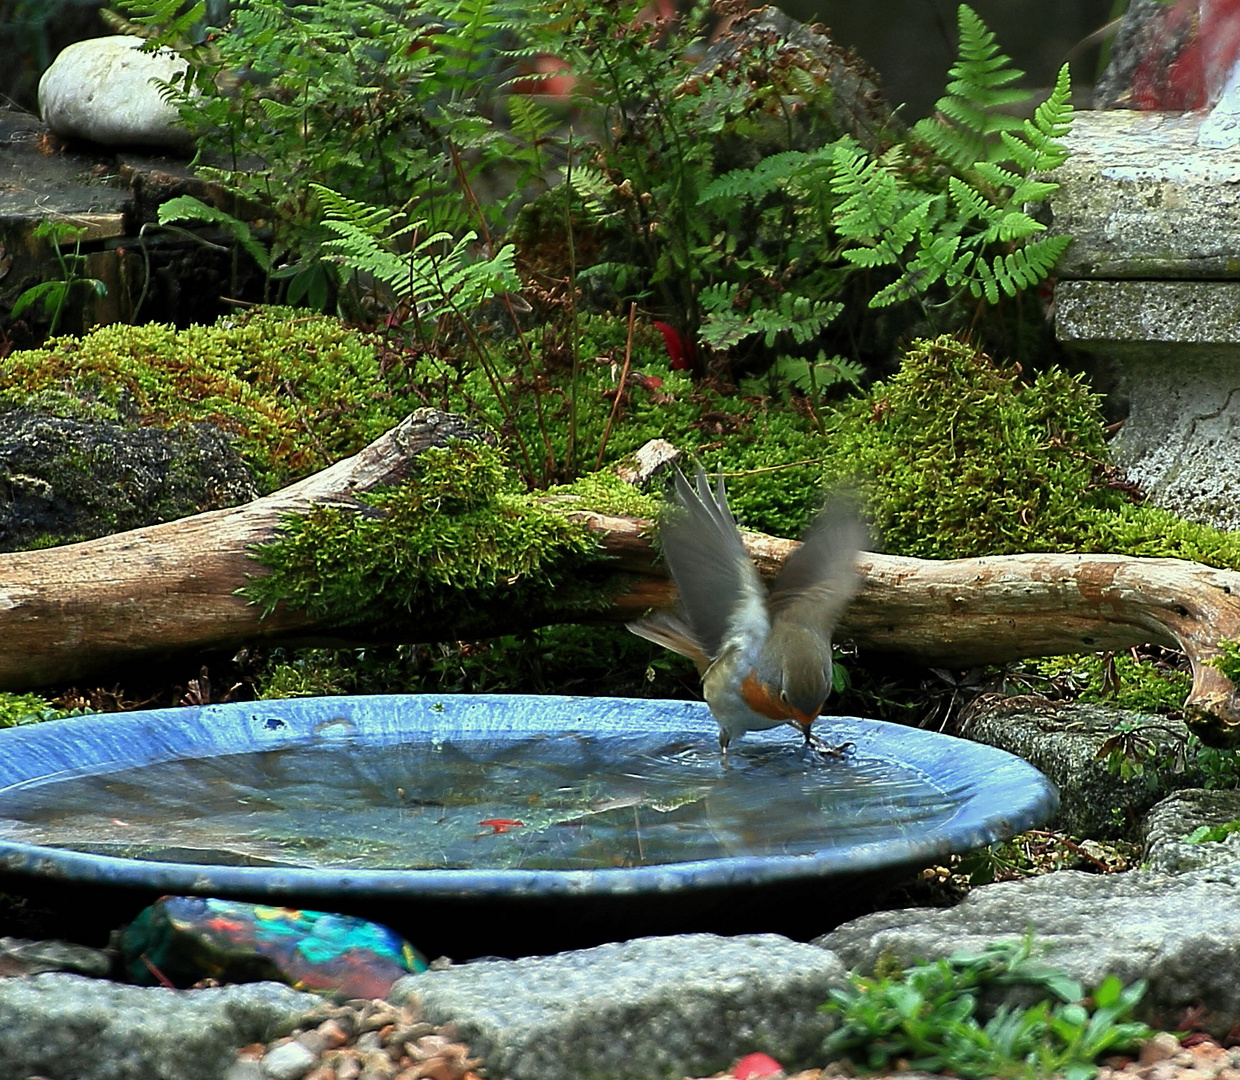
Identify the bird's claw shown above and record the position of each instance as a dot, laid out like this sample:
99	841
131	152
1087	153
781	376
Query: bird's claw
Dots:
839	752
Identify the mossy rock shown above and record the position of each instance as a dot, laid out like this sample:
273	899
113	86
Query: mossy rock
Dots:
63	480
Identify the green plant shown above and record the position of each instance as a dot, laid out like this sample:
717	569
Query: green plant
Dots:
996	163
383	105
926	1017
19	709
296	392
1138	683
1212	834
52	295
756	253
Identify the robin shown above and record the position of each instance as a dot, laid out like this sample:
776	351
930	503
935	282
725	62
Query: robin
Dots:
764	659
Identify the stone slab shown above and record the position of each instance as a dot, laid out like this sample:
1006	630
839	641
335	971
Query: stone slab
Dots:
1176	350
657	1008
1147	320
1142	200
67	1027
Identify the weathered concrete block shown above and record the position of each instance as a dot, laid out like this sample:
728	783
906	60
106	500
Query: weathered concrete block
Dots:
1142	200
1177	348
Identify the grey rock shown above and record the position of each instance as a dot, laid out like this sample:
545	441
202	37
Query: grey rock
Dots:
66	1027
67	479
1063	742
101	89
21	957
653	1008
1170	822
1181	932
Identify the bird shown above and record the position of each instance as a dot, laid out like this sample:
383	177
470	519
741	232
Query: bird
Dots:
764	658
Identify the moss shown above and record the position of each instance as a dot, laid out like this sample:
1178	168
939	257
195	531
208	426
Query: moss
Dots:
438	549
605	492
958	456
296	392
1228	662
19	709
1136	685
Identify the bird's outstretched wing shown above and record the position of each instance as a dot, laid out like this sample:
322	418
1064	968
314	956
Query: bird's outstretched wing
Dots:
720	593
820	578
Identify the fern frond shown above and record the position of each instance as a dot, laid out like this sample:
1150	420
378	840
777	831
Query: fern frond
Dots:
982	70
1052	120
372	220
754	184
188	208
165	17
796	315
970	120
531	122
595	190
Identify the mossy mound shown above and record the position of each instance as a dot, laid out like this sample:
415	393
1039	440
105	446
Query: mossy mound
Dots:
294	391
63	480
434	553
958	456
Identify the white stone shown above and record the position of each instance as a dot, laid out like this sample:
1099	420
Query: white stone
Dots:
101	90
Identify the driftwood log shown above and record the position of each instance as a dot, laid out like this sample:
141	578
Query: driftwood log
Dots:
70	611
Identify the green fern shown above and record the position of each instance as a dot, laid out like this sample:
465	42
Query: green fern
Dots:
169	19
771	174
186	208
793	315
969	121
998	161
436	274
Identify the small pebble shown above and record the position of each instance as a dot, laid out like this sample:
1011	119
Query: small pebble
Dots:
406	1033
288	1061
333	1034
312	1041
369	1040
379	1016
1161	1047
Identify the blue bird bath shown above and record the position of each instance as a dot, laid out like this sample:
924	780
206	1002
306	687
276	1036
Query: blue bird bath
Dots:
497	824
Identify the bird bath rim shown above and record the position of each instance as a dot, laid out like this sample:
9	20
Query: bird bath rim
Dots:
98	742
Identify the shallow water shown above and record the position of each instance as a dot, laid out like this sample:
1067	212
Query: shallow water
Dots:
555	802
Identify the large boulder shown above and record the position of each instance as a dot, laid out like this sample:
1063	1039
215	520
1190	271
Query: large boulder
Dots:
104	90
